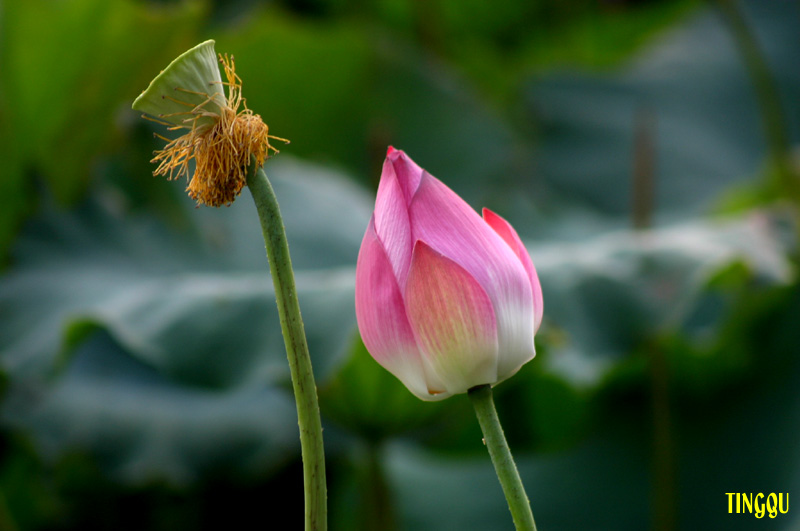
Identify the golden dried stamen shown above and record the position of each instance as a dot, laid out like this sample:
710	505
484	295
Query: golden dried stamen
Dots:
222	151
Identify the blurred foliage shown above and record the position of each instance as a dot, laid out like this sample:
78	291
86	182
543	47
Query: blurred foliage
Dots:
67	67
144	378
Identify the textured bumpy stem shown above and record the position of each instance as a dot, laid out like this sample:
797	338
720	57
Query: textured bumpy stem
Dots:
305	390
495	440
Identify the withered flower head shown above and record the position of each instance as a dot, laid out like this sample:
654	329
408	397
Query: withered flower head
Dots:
189	95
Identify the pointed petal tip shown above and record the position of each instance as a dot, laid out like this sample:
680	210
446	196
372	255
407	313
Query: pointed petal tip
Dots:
394	155
493	218
399	166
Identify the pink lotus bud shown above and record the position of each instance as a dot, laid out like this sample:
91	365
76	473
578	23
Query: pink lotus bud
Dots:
445	300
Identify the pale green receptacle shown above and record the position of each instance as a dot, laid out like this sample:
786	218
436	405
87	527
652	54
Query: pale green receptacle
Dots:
191	78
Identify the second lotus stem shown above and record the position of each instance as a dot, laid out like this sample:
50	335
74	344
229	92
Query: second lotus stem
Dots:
503	461
305	389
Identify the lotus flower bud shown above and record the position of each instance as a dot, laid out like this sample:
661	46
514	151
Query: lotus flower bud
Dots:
445	300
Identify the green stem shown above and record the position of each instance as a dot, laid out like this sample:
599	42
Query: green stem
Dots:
377	511
766	88
495	440
305	390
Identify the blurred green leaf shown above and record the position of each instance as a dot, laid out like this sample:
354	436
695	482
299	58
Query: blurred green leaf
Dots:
122	338
306	79
368	400
737	440
189	321
568	490
26	499
607	296
689	97
546	412
428	110
176	301
14	200
142	427
61	102
344	93
182	307
599	34
494	43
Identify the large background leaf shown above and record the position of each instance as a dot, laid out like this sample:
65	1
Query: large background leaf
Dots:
183	320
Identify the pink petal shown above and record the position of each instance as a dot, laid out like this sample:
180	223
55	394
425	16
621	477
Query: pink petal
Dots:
399	181
381	317
391	221
452	228
453	320
507	232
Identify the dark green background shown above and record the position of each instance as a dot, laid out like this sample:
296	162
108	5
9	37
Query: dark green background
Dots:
144	382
